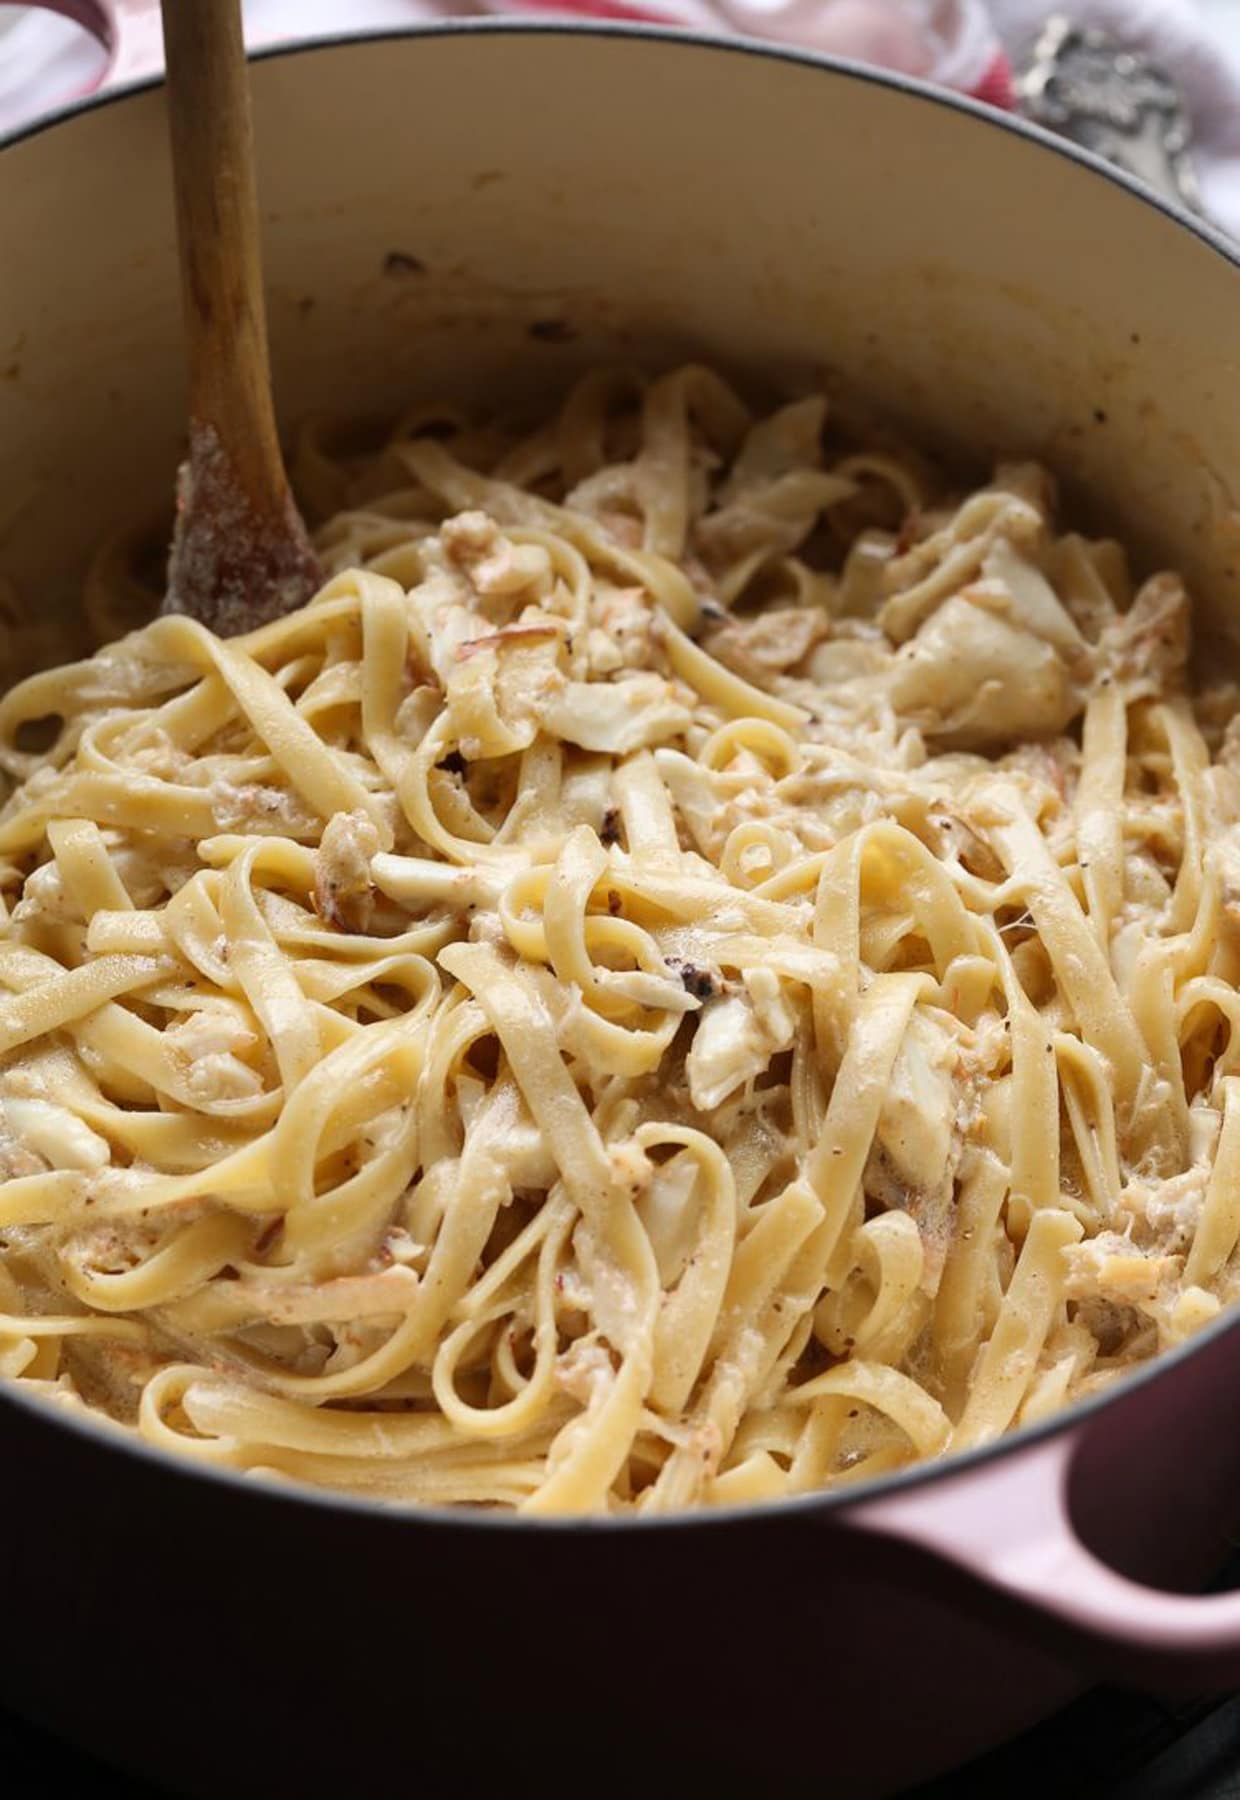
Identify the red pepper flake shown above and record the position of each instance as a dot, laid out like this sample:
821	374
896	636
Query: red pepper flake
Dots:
268	1235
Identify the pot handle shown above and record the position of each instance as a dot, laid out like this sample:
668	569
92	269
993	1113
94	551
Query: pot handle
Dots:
1008	1524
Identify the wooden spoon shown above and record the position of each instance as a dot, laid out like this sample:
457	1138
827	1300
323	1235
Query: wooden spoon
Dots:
240	552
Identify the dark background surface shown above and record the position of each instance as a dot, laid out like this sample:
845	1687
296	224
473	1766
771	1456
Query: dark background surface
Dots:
1110	1745
1113	1745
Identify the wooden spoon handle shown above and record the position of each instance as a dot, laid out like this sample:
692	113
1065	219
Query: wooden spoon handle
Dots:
240	554
217	230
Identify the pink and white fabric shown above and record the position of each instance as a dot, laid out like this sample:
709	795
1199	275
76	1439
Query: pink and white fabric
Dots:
45	59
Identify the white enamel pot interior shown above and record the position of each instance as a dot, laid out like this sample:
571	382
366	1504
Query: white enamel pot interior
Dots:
478	211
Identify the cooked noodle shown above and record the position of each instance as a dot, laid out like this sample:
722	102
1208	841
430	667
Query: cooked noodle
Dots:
701	967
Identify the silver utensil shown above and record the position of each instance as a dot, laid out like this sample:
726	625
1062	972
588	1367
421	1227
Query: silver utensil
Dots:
1087	87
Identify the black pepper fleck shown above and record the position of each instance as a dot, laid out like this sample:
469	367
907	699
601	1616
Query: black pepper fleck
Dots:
698	982
552	331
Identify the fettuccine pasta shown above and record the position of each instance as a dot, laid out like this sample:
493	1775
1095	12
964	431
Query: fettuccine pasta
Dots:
701	967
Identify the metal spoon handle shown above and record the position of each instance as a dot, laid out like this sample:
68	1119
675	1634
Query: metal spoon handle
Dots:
1087	87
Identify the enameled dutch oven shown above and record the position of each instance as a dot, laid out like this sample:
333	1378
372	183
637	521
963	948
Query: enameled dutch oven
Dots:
481	209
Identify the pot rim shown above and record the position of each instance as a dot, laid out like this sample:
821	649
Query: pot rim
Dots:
1014	124
105	1432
